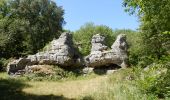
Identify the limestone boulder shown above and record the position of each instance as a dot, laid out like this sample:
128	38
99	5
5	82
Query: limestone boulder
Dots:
17	66
98	43
103	57
61	52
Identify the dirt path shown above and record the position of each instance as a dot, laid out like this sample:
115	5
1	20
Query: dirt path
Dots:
69	89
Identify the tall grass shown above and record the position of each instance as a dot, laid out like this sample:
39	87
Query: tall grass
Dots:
119	86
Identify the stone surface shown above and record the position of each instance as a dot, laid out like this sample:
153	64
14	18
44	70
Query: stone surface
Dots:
88	70
110	71
17	66
98	43
62	52
102	57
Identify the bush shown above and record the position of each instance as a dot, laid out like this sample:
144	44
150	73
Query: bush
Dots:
3	63
154	79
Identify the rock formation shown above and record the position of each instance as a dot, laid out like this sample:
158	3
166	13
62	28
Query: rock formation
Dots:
17	66
98	43
100	56
62	52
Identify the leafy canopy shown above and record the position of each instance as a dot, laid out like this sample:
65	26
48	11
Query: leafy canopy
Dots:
154	16
27	25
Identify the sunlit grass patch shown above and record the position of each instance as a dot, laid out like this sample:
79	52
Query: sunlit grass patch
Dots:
4	75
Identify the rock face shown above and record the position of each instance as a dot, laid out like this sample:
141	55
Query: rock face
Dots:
98	43
17	65
100	56
62	52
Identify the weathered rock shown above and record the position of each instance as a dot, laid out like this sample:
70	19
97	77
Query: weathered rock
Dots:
98	43
17	65
101	57
62	52
110	71
87	70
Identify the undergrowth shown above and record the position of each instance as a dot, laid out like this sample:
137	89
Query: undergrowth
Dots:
54	73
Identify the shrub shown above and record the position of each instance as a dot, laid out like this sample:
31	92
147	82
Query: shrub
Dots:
154	79
3	63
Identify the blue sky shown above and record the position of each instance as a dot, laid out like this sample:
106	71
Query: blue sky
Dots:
100	12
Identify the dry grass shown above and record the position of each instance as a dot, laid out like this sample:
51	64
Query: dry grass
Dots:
69	89
47	69
116	86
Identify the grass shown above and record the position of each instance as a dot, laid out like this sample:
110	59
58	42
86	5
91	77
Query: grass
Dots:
55	73
69	89
3	75
12	89
117	86
66	89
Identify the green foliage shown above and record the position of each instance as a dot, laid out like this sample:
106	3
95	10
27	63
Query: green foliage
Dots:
3	63
155	20
83	36
12	35
154	80
27	25
50	74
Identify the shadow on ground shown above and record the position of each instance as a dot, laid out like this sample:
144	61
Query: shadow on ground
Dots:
102	70
12	90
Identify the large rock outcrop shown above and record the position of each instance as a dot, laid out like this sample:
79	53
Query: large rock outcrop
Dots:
100	56
61	52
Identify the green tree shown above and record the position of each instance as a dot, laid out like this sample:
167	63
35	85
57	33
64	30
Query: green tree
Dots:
27	25
83	36
155	21
12	35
